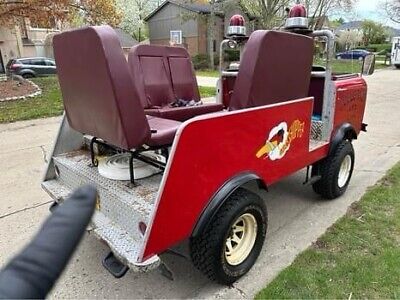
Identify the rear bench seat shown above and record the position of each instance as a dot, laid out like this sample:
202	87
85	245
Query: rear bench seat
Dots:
162	76
99	95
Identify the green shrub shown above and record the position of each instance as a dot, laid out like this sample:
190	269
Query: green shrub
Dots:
232	55
202	61
380	48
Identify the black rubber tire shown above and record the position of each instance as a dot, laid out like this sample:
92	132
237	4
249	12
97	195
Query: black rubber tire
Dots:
397	66
208	249
328	169
28	75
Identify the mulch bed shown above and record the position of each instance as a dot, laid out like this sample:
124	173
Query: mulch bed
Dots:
16	89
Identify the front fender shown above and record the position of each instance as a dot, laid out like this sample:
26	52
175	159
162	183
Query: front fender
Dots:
344	131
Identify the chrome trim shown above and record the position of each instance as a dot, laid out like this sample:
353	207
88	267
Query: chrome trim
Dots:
297	22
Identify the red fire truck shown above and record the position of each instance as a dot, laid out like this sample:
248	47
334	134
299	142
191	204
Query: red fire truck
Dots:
171	170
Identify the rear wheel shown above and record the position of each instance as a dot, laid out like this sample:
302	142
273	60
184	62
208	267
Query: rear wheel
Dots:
335	171
397	66
230	245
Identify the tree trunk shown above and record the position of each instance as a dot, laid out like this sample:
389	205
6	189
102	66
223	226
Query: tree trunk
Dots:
211	28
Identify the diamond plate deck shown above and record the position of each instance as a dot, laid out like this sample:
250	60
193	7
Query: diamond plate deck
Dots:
121	243
316	130
122	206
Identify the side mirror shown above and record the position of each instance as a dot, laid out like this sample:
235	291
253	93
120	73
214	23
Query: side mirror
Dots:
368	67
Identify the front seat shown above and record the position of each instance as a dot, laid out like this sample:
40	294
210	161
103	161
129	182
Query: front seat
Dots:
276	67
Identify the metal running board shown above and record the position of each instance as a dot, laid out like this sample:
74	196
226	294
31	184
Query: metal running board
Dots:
114	266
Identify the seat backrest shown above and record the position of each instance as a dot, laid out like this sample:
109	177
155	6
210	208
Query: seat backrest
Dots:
163	75
275	67
99	96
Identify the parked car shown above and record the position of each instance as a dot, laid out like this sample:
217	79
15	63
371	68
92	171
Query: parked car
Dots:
353	54
31	67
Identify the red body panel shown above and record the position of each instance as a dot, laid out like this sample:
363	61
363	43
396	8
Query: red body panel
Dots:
350	102
211	150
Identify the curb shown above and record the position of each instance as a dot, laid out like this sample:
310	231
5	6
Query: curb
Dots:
35	94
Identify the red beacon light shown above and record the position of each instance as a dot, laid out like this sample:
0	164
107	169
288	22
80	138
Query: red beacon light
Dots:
237	26
297	18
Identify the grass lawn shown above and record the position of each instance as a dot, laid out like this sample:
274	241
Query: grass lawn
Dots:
207	73
46	105
49	103
348	66
206	92
339	66
358	257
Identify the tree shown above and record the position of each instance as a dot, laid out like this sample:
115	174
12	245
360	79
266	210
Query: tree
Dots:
93	12
321	8
392	8
133	13
349	39
215	6
373	33
271	13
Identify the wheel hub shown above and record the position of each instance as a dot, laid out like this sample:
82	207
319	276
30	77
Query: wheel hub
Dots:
344	172
241	239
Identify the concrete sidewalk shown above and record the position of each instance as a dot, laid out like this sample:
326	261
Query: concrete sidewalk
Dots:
297	215
207	81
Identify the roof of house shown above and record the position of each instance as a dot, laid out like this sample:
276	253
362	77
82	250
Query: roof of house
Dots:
358	25
127	41
350	26
193	7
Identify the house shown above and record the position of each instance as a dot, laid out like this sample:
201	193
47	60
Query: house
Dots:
24	40
27	41
181	23
126	40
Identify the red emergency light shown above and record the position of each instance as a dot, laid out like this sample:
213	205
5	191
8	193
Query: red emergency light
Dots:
237	26
297	18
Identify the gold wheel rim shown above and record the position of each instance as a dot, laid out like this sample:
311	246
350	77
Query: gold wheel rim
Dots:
241	239
344	171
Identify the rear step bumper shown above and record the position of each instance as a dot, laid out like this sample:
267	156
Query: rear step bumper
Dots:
123	245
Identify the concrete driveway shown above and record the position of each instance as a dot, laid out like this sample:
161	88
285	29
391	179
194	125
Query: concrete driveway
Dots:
297	215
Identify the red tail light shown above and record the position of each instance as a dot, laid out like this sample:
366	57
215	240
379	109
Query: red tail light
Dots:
15	66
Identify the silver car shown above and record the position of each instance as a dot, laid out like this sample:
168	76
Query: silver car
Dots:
31	67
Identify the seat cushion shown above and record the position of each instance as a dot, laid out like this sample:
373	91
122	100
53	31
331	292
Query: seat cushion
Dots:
163	131
184	113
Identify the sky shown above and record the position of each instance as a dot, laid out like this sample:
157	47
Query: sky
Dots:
371	9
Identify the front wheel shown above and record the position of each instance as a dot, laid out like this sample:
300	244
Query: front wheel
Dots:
397	66
230	245
335	171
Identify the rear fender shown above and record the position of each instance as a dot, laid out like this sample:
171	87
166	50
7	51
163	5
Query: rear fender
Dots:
344	132
223	195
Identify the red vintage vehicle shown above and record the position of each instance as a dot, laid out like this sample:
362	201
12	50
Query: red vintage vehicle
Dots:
170	169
